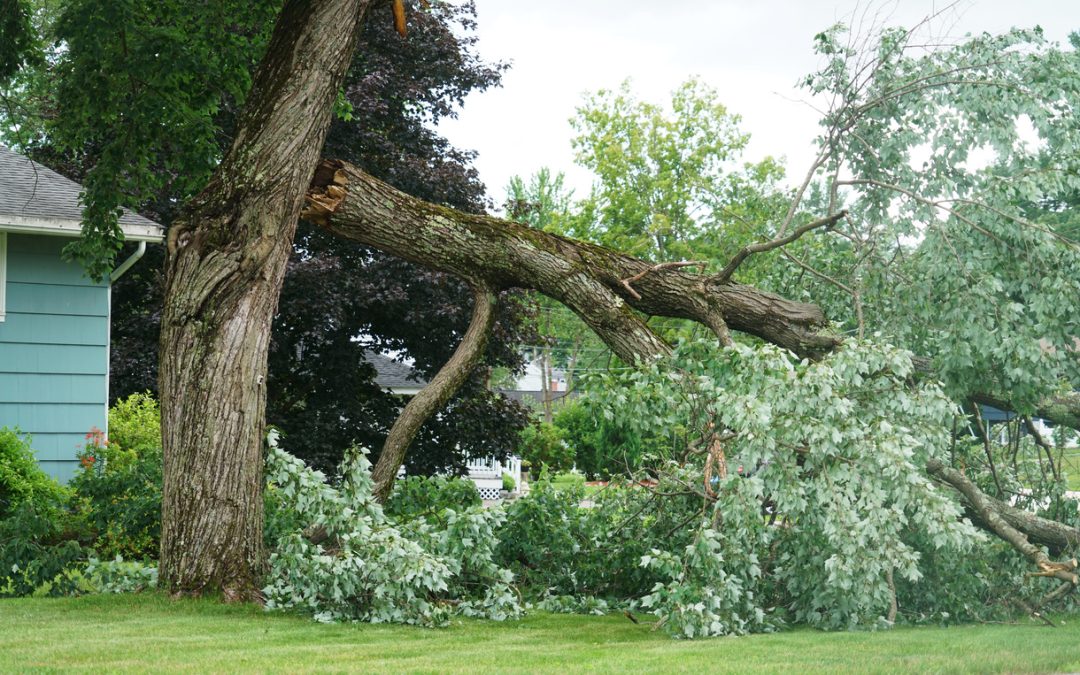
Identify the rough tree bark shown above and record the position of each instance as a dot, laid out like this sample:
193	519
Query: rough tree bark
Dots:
226	260
589	279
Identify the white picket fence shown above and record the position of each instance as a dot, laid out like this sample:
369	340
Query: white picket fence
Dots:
487	473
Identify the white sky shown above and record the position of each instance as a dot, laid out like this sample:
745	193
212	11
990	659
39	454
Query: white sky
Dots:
752	52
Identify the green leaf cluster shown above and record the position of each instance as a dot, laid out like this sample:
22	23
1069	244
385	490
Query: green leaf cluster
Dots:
369	567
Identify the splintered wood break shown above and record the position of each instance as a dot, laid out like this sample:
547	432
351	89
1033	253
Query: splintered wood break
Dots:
327	191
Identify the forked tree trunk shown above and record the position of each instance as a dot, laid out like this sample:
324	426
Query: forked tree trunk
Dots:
226	261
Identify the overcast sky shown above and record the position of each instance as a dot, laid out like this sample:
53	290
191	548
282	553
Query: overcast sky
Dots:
753	52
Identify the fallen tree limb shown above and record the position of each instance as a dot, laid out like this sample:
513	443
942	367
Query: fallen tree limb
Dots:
586	278
990	516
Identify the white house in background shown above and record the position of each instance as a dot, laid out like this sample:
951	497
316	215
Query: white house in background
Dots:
399	378
533	379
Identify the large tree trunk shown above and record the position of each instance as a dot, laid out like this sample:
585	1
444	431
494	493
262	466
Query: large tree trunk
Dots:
226	261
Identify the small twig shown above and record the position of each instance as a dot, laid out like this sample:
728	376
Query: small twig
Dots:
656	268
1034	613
761	247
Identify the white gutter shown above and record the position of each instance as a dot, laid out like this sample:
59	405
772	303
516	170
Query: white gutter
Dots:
126	265
73	228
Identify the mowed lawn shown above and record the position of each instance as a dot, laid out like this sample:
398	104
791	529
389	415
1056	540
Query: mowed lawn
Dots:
1071	461
153	633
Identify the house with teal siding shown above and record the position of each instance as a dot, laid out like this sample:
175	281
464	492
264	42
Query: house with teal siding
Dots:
54	321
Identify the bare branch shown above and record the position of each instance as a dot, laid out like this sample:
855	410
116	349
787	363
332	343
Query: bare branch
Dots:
761	247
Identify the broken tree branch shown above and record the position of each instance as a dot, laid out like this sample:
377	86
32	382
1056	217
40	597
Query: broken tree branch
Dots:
585	277
990	516
434	396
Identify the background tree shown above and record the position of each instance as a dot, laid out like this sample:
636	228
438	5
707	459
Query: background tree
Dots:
668	183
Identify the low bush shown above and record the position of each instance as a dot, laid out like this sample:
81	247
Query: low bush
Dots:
556	547
119	486
39	537
416	496
543	446
21	479
40	552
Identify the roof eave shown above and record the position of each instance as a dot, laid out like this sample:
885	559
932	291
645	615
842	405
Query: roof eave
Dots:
73	228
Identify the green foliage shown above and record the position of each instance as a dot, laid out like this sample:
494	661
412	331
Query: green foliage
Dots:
558	548
601	445
837	449
141	89
369	568
543	445
416	496
120	576
135	423
119	487
958	169
982	584
508	483
17	36
22	481
38	548
668	183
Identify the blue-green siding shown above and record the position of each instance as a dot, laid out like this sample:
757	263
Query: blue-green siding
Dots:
53	351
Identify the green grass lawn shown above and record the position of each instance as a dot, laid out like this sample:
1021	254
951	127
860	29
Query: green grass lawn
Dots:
1071	461
152	633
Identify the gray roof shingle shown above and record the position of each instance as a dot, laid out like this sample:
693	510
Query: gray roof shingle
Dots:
35	197
391	374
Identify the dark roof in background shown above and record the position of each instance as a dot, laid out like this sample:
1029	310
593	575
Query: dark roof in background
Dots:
32	192
391	374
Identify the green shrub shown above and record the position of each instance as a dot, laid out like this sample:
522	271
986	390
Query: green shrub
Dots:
135	423
21	479
556	547
542	445
119	486
38	551
423	495
39	537
508	483
603	447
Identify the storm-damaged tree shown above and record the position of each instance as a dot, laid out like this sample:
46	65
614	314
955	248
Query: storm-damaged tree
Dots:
960	227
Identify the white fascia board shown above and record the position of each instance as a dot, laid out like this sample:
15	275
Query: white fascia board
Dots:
403	391
73	228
